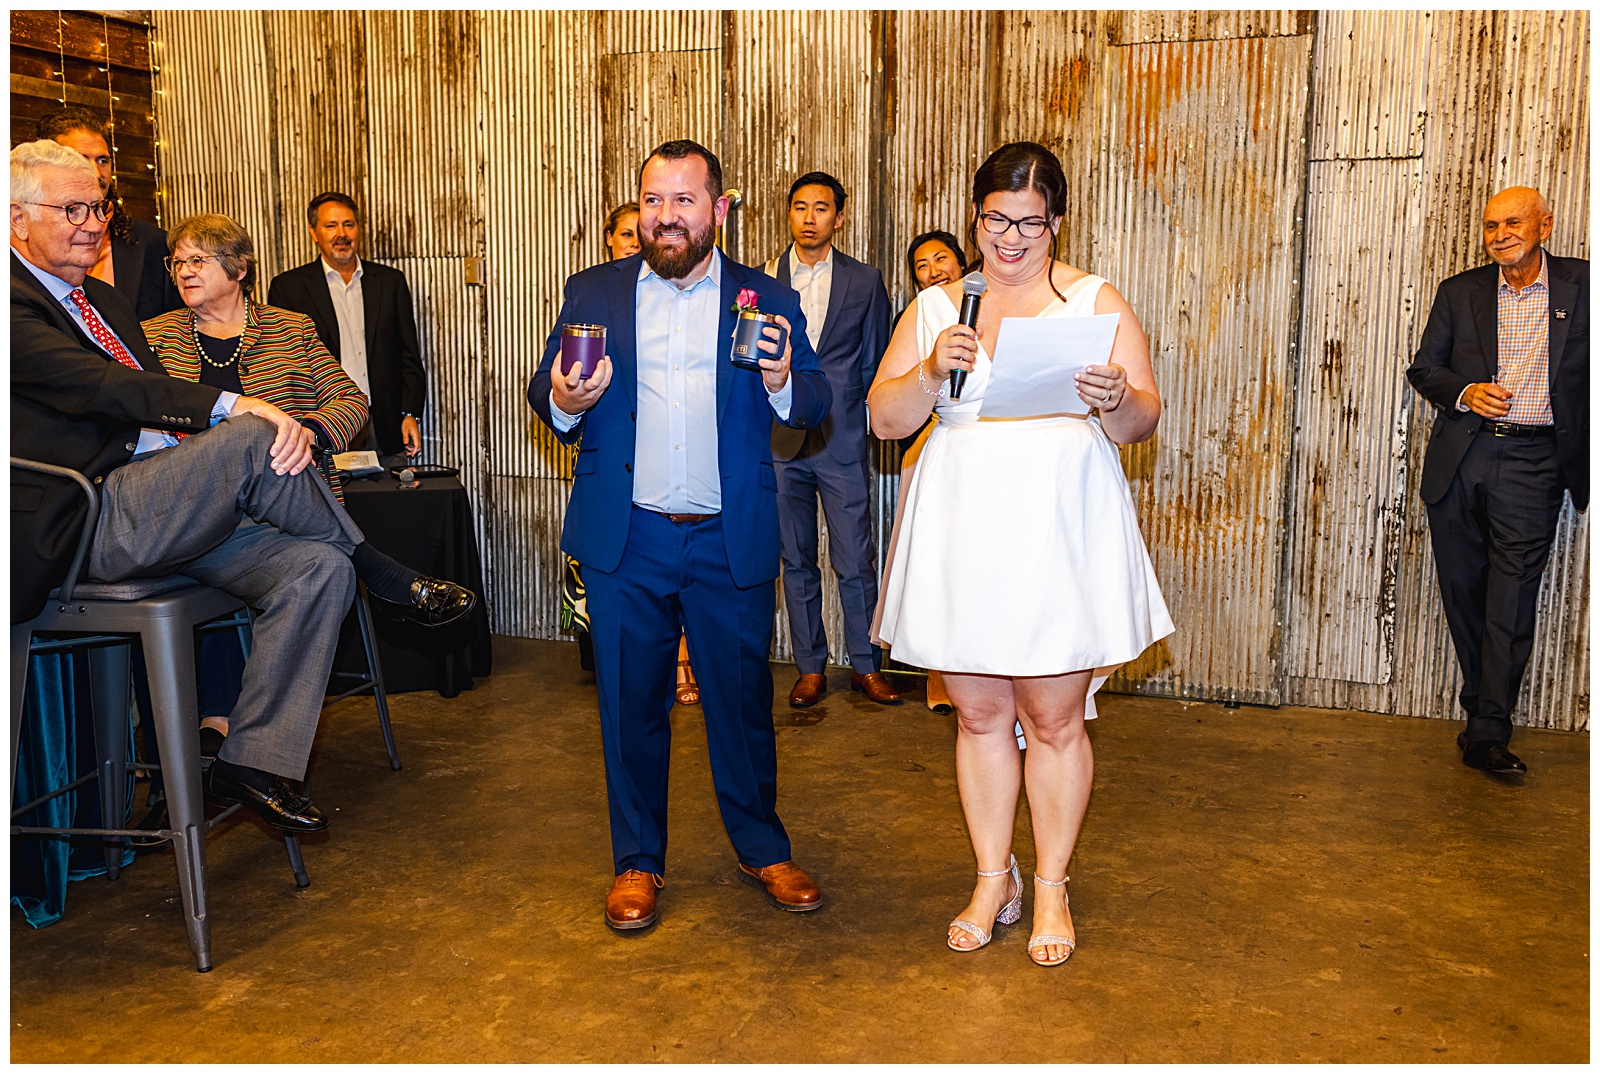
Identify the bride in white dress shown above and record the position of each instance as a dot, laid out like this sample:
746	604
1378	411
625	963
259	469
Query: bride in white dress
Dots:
1019	571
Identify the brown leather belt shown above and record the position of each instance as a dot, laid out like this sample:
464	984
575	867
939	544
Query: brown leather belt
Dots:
1507	428
681	518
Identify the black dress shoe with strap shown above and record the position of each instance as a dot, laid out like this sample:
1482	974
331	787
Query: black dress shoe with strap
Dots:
434	603
280	807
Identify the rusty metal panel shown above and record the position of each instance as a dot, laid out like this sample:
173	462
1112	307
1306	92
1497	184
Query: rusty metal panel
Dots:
542	193
1052	91
1182	143
424	154
1141	27
939	115
1543	118
1359	323
215	115
659	30
789	114
649	98
522	516
1198	209
1369	99
450	333
1555	692
317	71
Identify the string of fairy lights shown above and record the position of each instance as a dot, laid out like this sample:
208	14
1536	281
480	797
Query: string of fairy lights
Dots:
112	98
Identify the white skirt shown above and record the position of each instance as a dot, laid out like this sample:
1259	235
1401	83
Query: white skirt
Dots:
1019	554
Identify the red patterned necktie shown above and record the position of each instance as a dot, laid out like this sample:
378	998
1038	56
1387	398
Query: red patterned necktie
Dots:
97	328
102	335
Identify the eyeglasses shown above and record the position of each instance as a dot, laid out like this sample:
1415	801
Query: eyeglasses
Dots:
999	224
175	263
78	211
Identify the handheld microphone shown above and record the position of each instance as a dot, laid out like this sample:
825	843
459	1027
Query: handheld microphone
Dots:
973	285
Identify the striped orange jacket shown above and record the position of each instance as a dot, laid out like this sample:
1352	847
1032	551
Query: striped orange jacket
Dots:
282	362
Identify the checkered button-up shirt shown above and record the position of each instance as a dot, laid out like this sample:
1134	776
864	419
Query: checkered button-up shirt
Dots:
1524	365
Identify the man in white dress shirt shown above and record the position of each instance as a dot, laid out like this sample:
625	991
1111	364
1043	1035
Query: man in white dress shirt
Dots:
364	316
673	517
847	324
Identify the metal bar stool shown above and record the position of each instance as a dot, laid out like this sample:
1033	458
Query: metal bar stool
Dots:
162	615
372	681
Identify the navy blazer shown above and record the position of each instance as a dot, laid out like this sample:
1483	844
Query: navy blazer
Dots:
855	334
598	514
1461	346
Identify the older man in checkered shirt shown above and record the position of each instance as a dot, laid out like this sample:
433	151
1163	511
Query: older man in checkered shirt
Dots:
1505	361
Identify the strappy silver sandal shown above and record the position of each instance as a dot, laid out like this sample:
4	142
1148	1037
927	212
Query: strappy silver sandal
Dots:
1009	914
1044	940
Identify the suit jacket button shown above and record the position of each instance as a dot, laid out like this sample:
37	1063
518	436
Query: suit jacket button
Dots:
627	467
130	447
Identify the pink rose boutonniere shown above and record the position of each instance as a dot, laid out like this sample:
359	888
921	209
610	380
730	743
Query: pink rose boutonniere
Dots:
748	301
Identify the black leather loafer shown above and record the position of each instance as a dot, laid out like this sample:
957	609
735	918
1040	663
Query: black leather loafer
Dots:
1493	758
434	603
280	807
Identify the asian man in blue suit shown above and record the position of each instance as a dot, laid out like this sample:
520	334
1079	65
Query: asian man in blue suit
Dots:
674	517
847	323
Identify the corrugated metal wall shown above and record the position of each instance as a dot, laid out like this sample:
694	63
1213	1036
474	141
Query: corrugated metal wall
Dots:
1277	193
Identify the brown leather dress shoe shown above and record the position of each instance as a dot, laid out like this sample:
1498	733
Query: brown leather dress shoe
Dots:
786	884
631	903
876	687
808	690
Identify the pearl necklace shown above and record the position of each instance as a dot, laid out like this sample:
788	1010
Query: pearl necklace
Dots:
194	328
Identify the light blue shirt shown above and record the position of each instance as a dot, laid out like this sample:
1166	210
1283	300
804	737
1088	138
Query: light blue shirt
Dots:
61	291
675	467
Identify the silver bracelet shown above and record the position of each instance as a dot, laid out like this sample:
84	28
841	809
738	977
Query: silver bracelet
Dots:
922	380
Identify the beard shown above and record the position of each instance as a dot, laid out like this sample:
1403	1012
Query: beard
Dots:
674	263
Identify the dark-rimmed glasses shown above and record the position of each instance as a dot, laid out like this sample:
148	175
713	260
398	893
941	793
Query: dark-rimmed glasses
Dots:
78	211
175	263
999	224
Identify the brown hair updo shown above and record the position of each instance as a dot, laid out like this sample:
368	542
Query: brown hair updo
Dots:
1018	166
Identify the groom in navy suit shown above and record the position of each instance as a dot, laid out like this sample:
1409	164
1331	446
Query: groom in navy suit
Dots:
674	517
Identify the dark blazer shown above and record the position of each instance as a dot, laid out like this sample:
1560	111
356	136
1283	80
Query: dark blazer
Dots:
74	405
139	267
1461	346
598	514
394	359
855	334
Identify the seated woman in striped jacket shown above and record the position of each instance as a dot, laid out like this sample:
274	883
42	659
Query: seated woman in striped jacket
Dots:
226	340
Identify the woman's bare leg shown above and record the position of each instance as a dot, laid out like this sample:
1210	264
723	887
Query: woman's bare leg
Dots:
1059	773
989	774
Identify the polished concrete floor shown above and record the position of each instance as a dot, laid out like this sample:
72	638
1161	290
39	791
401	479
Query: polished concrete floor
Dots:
1251	885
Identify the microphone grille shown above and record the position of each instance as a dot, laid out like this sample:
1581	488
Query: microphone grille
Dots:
973	283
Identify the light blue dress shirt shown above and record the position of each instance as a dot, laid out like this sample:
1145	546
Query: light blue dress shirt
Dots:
60	290
675	467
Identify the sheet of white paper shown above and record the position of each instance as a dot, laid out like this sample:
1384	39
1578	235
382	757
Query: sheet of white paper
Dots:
1035	358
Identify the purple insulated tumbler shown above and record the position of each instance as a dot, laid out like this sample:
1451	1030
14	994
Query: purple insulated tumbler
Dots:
747	330
583	345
